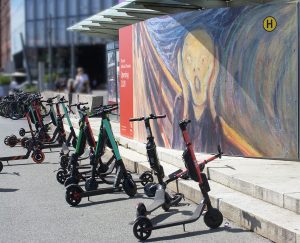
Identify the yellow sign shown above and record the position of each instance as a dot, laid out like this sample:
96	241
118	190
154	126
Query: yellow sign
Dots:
270	24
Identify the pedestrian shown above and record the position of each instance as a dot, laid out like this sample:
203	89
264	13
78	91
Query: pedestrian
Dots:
82	83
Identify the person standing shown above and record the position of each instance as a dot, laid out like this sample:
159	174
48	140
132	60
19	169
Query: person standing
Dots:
82	83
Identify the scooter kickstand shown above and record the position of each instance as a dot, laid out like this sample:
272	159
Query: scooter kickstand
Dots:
183	227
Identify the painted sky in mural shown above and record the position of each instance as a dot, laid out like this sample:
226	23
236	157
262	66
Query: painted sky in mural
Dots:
221	69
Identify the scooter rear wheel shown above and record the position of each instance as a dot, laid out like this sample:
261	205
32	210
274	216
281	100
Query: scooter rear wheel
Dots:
1	166
73	196
150	189
23	142
146	178
22	132
64	160
129	186
141	210
6	140
61	176
71	180
142	228
213	218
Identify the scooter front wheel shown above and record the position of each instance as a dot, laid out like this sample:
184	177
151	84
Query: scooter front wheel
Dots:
213	218
129	186
73	195
61	176
1	166
38	156
142	228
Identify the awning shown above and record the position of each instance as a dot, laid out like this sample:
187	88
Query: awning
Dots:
107	23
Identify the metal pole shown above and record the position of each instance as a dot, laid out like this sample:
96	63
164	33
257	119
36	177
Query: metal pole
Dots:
72	56
50	49
25	59
41	67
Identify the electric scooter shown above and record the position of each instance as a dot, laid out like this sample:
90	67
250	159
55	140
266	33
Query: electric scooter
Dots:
72	138
74	193
213	218
150	189
32	146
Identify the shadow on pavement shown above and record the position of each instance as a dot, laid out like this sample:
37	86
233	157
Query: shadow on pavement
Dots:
197	233
13	173
8	190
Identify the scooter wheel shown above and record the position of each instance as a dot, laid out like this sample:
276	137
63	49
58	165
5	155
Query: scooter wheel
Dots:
146	177
91	184
129	186
12	141
71	180
166	207
150	189
142	228
38	156
141	210
1	166
64	160
23	142
22	132
6	140
213	218
73	195
61	176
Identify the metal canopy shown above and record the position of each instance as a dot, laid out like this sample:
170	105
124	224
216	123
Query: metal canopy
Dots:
107	23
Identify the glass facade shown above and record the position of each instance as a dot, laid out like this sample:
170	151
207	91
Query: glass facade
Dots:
59	14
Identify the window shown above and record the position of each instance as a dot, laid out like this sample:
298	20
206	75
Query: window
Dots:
61	31
30	34
30	9
50	8
40	33
72	7
40	9
61	8
95	6
84	7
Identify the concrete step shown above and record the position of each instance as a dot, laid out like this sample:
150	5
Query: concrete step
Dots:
262	179
273	222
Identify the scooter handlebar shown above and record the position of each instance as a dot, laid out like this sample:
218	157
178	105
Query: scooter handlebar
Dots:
136	119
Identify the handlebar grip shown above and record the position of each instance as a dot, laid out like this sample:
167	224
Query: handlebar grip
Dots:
81	103
137	119
111	109
161	116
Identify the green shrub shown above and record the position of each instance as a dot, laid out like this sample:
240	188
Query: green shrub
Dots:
47	77
4	80
31	88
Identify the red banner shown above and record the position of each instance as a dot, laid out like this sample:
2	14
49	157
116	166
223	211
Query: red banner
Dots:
126	81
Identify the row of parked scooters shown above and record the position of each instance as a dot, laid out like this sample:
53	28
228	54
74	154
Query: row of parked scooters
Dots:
105	162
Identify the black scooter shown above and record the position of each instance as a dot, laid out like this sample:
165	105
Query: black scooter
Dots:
150	189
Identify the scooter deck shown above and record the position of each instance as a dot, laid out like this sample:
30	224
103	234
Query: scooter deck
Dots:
158	201
196	215
100	191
